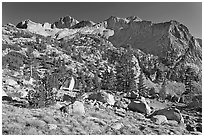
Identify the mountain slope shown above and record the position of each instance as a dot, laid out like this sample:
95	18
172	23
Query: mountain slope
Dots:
154	38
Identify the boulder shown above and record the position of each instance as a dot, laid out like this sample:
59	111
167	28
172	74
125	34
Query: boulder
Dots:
52	126
117	126
78	108
159	119
110	99
170	113
139	106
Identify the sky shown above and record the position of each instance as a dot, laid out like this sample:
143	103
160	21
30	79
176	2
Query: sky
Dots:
188	13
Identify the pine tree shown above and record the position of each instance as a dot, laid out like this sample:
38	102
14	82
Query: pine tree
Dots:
162	92
141	85
108	81
188	84
126	72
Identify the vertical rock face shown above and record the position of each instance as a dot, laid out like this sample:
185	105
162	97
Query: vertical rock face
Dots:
65	22
154	38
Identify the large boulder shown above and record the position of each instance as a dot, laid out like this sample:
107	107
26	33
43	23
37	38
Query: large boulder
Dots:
139	106
76	108
171	114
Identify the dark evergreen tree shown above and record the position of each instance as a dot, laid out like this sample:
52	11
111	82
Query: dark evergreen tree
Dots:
189	74
141	85
108	80
162	92
126	72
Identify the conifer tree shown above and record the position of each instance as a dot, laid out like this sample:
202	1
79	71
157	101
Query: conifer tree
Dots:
141	85
125	72
162	92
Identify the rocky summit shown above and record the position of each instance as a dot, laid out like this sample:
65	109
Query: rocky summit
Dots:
120	76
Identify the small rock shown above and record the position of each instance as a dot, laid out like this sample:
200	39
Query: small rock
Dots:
120	114
159	119
32	131
66	130
96	120
199	120
52	126
117	126
49	119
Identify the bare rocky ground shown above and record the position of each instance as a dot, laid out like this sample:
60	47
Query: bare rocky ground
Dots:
102	121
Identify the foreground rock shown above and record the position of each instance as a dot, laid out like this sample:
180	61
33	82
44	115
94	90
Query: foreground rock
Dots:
140	106
170	114
159	119
76	108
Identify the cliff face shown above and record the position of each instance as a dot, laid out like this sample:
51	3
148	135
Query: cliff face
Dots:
158	39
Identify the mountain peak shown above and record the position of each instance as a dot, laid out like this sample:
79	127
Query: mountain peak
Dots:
134	18
65	22
24	24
